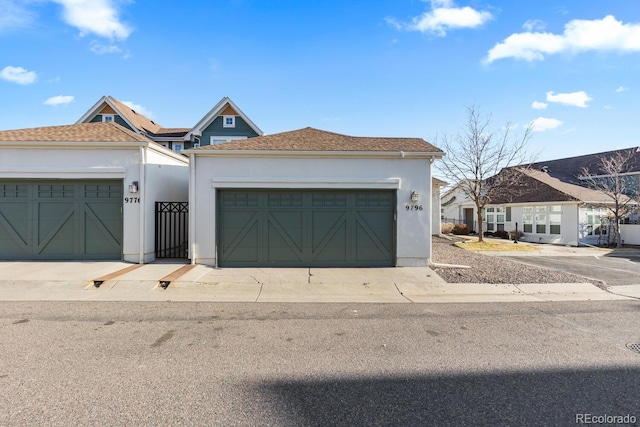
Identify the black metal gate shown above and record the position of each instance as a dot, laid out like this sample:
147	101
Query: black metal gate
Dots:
172	230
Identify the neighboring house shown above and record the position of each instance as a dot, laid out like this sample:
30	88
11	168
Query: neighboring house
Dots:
312	198
554	204
84	191
224	122
436	209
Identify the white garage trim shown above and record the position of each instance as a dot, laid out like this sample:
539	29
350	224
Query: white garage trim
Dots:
63	173
340	183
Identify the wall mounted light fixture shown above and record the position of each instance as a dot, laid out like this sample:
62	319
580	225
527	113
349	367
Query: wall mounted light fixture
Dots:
414	196
133	187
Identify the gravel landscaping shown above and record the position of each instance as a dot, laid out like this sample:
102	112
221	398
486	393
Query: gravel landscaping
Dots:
492	269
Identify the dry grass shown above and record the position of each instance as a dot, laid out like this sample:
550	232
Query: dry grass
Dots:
472	244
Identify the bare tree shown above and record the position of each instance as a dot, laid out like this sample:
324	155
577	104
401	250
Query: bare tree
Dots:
613	180
482	162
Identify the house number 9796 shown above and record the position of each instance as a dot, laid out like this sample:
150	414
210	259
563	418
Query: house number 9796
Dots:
410	208
132	199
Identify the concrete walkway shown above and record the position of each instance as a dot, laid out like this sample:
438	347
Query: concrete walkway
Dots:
119	281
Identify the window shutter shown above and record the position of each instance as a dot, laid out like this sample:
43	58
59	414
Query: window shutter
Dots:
508	214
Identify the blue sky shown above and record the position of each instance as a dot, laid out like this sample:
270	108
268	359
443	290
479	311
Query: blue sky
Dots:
383	68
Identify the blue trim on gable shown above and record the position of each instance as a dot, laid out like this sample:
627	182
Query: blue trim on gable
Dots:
116	118
216	128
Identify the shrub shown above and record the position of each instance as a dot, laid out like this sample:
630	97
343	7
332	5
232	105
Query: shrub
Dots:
513	234
446	228
460	229
488	234
501	234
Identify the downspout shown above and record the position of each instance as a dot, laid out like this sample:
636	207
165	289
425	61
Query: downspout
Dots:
192	207
143	201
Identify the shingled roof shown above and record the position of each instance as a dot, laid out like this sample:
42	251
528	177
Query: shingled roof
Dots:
571	168
83	132
138	120
310	139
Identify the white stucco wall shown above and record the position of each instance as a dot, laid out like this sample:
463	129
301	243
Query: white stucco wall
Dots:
568	225
630	234
166	178
403	174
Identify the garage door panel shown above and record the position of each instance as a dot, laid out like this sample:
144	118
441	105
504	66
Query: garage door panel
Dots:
101	229
284	238
55	227
13	228
240	240
308	227
55	219
106	219
61	241
368	246
333	248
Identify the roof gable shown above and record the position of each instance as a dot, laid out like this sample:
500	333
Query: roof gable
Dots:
310	139
224	107
109	105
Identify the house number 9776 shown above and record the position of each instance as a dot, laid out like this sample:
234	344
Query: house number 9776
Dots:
411	208
132	199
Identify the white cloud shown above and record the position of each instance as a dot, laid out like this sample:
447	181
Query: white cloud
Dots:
18	75
102	49
59	100
542	124
533	25
576	99
99	17
539	105
621	89
139	109
607	34
444	16
14	15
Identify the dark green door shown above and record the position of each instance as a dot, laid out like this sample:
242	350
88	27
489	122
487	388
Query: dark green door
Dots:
60	219
306	228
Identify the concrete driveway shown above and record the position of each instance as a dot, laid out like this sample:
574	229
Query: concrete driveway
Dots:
118	281
613	267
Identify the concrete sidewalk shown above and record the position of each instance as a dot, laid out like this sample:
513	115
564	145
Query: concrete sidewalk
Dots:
119	281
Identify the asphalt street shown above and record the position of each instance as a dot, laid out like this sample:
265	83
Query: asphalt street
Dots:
167	363
613	270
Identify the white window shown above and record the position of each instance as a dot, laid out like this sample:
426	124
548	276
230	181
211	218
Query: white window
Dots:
107	117
228	121
597	219
217	139
547	219
494	218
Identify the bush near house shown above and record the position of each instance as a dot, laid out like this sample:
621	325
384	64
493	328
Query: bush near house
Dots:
446	228
461	229
488	234
516	234
501	234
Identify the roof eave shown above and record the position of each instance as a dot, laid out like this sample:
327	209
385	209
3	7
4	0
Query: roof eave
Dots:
291	153
74	144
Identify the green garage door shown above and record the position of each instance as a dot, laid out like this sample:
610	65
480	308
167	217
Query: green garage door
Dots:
306	228
60	219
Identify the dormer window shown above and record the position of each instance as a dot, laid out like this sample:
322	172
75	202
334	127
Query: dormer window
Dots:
228	121
108	117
